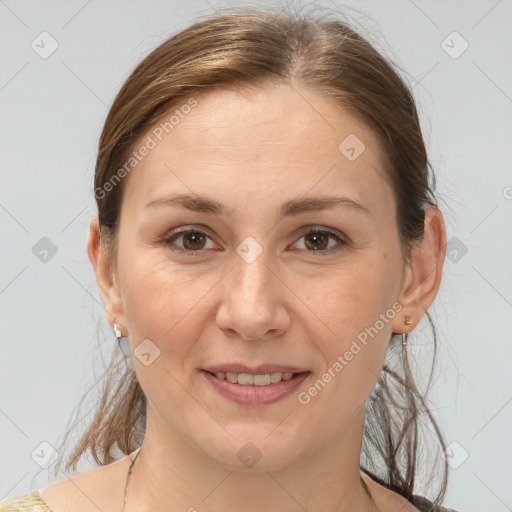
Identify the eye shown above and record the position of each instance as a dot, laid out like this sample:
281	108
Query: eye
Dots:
193	241
317	241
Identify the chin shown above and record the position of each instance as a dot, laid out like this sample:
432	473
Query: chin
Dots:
254	450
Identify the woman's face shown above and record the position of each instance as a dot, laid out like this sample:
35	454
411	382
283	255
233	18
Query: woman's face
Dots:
255	291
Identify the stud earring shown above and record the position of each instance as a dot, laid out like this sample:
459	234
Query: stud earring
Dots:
407	320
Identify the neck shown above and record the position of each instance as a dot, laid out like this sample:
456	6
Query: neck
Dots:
170	474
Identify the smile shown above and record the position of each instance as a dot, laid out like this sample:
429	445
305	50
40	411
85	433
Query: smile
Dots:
259	389
246	379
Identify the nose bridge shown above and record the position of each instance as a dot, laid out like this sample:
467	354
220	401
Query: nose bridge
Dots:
249	305
251	276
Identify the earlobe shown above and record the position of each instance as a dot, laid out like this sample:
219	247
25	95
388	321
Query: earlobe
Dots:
105	277
424	271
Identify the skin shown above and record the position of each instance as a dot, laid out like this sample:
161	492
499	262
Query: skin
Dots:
253	151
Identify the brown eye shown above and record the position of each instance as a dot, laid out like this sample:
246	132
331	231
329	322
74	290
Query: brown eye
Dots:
193	240
189	241
316	240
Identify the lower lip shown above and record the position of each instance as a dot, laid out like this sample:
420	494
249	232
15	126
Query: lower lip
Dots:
256	395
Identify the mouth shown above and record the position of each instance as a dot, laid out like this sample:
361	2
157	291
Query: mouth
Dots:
255	389
249	379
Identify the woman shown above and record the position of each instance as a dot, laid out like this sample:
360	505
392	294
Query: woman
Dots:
267	236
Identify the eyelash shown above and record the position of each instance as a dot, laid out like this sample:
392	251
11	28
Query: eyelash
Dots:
174	235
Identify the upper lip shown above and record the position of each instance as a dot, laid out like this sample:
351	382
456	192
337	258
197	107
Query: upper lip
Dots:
262	369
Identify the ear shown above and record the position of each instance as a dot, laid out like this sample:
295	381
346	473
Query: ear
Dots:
423	272
106	277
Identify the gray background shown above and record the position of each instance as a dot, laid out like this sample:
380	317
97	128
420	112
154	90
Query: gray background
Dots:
52	112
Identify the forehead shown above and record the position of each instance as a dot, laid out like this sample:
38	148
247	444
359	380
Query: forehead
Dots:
282	137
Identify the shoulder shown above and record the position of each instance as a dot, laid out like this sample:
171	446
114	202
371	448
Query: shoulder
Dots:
30	502
386	499
99	489
425	505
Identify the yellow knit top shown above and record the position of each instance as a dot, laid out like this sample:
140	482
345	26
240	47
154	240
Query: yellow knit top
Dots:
30	502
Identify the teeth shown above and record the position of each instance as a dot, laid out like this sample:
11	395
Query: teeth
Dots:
246	379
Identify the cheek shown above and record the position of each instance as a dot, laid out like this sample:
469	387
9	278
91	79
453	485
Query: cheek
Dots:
354	309
356	313
353	296
169	304
167	308
161	301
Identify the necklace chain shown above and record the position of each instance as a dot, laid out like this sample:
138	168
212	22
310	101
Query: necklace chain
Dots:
132	465
128	476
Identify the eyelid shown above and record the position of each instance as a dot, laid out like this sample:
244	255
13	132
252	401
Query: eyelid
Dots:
173	234
341	239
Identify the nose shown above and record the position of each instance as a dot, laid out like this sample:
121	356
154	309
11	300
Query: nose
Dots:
253	301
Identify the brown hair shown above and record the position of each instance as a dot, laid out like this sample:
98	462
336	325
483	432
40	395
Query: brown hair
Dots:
255	48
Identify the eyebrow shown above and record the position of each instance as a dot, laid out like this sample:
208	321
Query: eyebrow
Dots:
205	204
